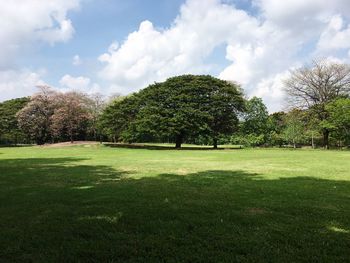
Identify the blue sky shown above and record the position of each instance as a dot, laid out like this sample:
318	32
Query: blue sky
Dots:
97	24
122	46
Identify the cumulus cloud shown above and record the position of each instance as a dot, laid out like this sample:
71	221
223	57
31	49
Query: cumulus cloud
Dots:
18	83
24	23
335	36
260	48
33	20
83	84
150	54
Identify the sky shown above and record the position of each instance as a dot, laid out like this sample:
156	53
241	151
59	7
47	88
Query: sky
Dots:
119	46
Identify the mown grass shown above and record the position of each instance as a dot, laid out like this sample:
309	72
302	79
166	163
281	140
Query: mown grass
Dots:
102	204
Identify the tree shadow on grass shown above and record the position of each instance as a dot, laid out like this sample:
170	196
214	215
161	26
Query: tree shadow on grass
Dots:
56	210
15	145
164	147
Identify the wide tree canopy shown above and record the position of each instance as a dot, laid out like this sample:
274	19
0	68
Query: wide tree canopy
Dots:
180	108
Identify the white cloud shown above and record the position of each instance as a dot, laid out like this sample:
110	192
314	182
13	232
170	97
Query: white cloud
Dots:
18	83
80	83
260	48
294	12
151	54
23	23
271	90
335	36
76	60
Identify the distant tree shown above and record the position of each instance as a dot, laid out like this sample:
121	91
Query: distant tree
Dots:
35	118
313	87
312	125
117	118
293	130
339	118
255	117
277	121
9	130
276	126
70	116
95	103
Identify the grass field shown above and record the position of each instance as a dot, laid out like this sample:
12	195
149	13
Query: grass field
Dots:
102	204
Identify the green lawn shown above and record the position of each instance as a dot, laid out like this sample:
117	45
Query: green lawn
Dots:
102	204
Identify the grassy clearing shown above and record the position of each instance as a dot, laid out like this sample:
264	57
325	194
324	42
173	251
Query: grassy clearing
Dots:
100	204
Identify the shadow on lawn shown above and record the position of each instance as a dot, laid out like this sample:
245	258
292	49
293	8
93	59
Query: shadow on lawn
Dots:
163	147
15	145
55	210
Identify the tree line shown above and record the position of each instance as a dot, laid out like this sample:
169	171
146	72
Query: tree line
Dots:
192	109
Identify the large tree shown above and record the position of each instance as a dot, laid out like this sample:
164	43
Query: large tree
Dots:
187	106
223	101
315	86
35	118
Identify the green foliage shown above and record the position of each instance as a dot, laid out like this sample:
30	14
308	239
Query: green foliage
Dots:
339	119
293	132
254	127
178	109
118	117
9	131
255	117
314	87
276	122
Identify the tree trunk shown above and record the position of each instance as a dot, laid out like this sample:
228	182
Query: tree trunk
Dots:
178	141
71	138
215	143
326	139
312	140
